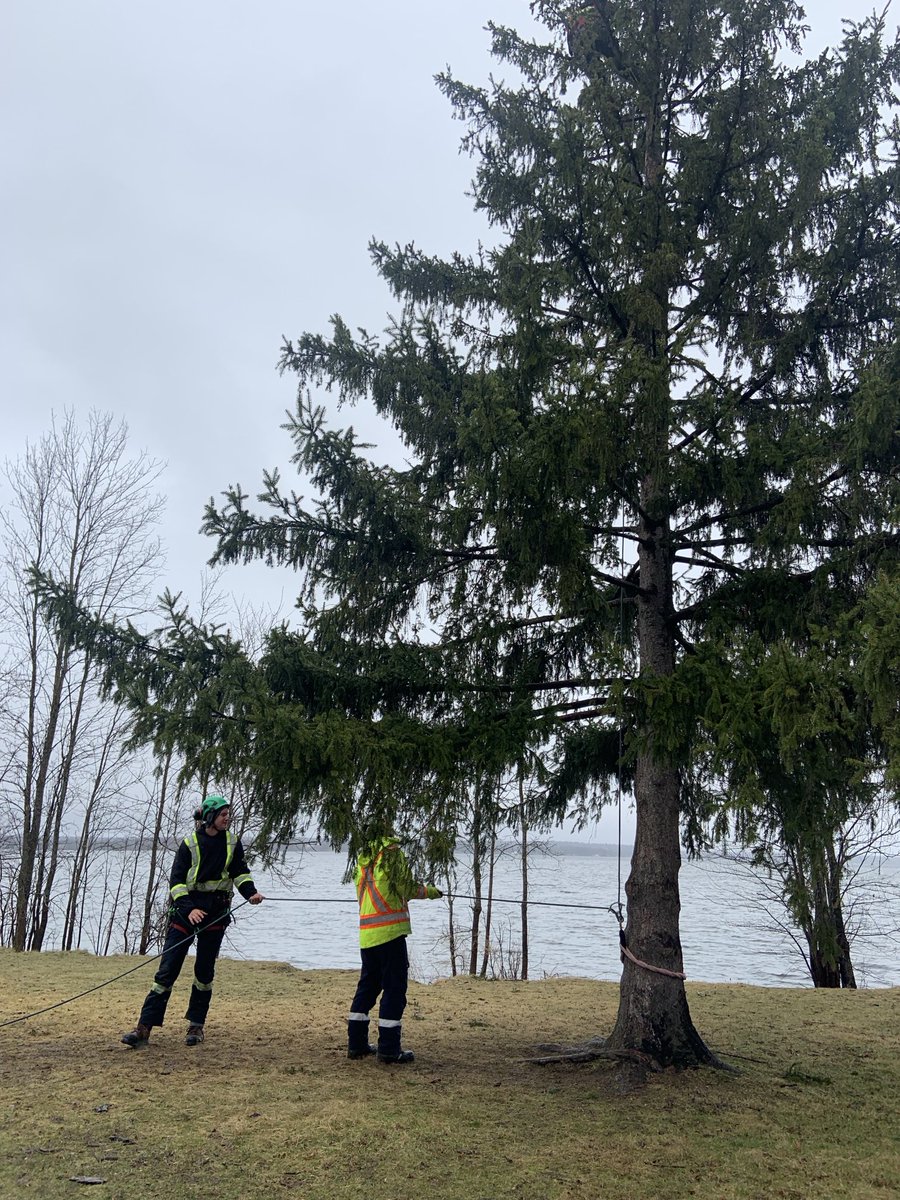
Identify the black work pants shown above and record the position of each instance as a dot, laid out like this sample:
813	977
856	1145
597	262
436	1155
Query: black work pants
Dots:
178	941
385	970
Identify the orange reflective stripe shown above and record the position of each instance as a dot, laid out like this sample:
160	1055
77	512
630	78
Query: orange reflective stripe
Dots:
374	910
377	920
367	887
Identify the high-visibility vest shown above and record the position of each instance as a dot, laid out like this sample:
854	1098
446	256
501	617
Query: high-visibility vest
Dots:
383	911
224	883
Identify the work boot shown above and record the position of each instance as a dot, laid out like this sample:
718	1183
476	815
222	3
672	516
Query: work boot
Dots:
139	1036
358	1045
361	1051
194	1035
398	1059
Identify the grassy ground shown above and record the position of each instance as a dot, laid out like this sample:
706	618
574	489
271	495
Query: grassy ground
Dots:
270	1106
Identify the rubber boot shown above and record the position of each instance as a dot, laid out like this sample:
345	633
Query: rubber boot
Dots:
358	1045
389	1046
398	1059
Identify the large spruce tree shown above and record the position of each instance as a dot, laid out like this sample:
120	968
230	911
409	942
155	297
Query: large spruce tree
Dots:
683	343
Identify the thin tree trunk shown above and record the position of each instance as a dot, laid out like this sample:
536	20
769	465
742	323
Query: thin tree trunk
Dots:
152	881
50	857
33	798
60	799
523	825
476	884
486	954
79	863
451	928
835	878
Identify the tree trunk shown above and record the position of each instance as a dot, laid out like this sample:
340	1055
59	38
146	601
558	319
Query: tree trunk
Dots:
812	894
523	824
49	864
451	928
476	884
830	963
653	1016
79	864
842	941
488	912
35	787
152	872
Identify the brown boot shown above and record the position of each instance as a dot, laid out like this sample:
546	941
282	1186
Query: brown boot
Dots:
194	1035
139	1036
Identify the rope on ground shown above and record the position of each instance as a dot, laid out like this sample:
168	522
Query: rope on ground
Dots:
107	982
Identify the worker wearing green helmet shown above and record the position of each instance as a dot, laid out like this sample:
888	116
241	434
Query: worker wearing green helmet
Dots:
209	864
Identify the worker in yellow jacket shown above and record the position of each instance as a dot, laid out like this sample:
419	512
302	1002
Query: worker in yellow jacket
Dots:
384	884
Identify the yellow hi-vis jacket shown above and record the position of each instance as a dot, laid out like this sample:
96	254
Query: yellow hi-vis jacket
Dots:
384	884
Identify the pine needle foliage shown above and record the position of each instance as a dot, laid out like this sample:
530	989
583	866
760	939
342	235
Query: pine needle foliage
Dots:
682	342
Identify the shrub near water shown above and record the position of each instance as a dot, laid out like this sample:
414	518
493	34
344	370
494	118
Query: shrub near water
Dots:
269	1105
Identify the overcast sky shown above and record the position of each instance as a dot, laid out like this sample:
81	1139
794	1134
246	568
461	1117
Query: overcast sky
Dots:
184	183
187	182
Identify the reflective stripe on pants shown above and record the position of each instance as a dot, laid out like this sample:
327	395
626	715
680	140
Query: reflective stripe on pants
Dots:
209	942
385	971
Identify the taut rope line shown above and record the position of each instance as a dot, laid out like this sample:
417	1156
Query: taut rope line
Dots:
614	909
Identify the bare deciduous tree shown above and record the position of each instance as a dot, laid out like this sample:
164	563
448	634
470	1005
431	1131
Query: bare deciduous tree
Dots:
82	509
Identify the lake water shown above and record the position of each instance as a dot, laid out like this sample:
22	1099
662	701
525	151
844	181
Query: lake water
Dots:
726	933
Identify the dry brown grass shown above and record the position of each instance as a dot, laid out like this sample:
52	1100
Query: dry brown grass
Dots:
269	1106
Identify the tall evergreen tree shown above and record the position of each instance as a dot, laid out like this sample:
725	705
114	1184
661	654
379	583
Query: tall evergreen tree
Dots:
683	342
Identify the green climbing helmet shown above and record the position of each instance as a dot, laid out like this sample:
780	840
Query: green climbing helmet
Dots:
211	805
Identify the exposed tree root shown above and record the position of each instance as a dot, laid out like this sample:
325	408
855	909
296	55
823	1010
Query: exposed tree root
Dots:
597	1048
590	1051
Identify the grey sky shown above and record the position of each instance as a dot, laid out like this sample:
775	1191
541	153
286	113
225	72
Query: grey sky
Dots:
185	182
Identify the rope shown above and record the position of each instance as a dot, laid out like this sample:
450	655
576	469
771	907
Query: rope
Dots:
539	903
450	896
615	909
639	962
97	986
